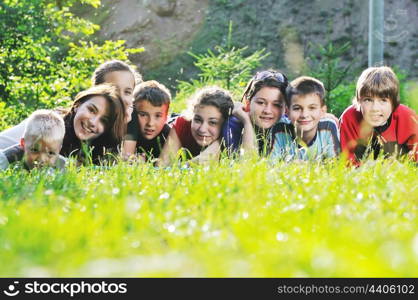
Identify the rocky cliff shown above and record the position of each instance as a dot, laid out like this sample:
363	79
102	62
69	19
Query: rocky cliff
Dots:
168	29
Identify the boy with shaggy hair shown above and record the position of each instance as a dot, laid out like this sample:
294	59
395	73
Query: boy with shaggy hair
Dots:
148	130
41	143
377	122
308	136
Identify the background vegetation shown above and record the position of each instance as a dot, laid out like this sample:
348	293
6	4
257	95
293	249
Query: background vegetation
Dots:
45	55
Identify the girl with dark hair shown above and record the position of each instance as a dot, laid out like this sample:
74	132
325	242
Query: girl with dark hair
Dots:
264	101
124	77
199	131
95	112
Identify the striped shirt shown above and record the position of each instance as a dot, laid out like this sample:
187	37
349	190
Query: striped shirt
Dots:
325	144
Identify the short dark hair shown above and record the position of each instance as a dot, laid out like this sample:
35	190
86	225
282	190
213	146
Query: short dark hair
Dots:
305	85
154	92
113	66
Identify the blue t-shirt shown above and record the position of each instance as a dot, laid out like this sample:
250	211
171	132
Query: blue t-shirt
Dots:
325	144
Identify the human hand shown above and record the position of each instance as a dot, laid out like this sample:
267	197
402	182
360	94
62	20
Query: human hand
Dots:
238	111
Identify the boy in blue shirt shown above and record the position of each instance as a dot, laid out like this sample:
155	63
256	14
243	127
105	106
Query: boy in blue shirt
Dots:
308	136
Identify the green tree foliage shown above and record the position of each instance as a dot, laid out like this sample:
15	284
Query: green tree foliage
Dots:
325	65
228	67
228	64
45	58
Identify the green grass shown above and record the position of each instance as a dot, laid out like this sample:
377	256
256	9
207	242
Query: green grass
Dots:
243	218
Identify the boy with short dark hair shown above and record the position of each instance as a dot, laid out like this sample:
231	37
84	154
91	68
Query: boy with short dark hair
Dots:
148	130
377	122
41	143
308	136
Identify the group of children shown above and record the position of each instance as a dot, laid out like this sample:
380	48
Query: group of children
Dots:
282	120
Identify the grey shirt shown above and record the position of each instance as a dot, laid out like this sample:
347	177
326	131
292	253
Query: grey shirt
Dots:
12	136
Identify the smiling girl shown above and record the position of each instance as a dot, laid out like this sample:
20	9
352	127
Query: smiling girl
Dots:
121	75
264	102
95	112
200	134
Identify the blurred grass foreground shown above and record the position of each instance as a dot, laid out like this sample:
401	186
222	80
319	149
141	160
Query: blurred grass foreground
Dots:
236	218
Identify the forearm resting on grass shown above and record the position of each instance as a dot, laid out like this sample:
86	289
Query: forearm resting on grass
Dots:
249	140
211	152
169	152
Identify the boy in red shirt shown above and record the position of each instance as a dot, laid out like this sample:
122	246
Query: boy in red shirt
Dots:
377	122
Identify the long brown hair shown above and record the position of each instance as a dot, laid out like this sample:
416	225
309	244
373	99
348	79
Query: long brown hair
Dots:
116	126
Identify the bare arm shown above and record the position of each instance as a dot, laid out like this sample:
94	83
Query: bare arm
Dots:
170	149
128	149
210	153
249	141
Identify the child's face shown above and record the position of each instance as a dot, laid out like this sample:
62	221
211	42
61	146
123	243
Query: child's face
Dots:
151	118
206	124
41	153
125	83
267	107
91	118
305	112
376	111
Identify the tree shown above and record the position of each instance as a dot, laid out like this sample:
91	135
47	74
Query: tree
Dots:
227	67
45	55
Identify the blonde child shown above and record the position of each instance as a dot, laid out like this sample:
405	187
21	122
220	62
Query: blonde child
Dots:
41	143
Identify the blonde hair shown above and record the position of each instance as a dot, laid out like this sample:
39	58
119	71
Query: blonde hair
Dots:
46	125
379	82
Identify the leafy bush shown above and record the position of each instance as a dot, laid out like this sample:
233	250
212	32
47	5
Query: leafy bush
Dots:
227	67
44	58
340	98
325	65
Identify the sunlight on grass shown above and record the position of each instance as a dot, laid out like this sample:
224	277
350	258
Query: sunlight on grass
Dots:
238	218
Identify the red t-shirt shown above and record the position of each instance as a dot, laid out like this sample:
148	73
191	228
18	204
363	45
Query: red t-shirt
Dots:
400	133
183	129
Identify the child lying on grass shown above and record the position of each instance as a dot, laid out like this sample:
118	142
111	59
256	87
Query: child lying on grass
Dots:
148	130
40	145
308	136
200	135
377	122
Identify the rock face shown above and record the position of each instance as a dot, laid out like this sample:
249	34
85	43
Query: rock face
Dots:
163	27
168	29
